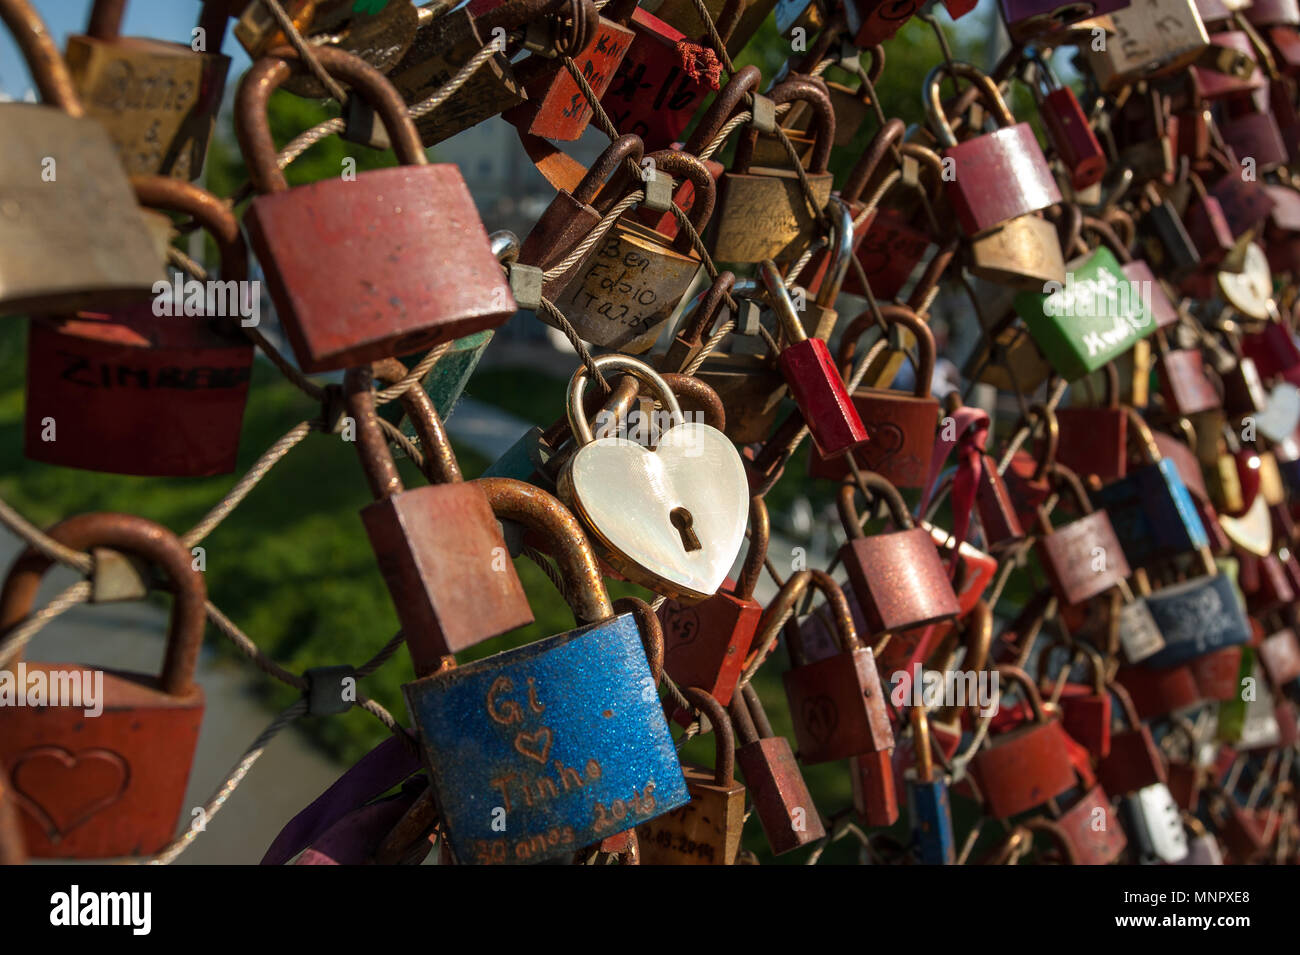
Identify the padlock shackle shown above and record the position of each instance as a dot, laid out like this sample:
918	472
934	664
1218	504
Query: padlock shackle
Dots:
921	744
703	310
48	69
802	89
869	162
1047	460
609	162
682	165
880	487
212	213
1065	478
616	364
563	538
1126	704
1018	676
376	457
518	13
839	253
136	537
1057	834
742	719
1102	229
893	315
977	638
619	402
439	460
987	91
724	105
724	756
106	19
778	297
760	530
505	246
697	392
266	75
651	630
1141	430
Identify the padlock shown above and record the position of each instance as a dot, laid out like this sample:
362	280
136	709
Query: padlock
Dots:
1096	316
157	100
689	496
1157	824
634	279
1197	617
780	796
439	546
571	216
112	784
1227	67
1165	238
826	277
1149	40
900	427
1202	847
556	107
1143	283
1183	382
1027	766
1256	136
852	106
705	645
1134	761
77	239
837	704
652	94
1040	21
1242	834
1280	655
101	375
566	735
1097	437
706	831
1085	708
763	212
1150	507
1084	558
1159	691
1246	204
875	791
377	284
258	31
927	801
897	577
1272	348
1250	290
1010	156
446	39
891	242
1067	127
811	375
1093	828
380	36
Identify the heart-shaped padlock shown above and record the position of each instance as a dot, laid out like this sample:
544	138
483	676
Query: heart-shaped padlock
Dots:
671	519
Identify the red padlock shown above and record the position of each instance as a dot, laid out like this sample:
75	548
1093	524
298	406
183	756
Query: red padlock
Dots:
149	389
358	270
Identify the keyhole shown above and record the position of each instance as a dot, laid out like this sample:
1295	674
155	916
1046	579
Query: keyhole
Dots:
682	520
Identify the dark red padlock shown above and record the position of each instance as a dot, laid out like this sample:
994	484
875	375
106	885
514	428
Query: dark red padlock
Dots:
1183	382
900	426
1280	655
812	376
898	577
1024	767
837	704
1135	760
1085	708
1083	558
1068	129
359	270
705	644
155	389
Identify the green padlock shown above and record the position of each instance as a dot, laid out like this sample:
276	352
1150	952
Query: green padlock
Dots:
1091	319
1232	713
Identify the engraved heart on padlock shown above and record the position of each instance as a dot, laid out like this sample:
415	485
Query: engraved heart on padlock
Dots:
63	790
672	519
886	441
821	717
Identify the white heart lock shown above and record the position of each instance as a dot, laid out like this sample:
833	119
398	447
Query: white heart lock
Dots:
672	519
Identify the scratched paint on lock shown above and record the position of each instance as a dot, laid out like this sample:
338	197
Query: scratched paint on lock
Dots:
563	742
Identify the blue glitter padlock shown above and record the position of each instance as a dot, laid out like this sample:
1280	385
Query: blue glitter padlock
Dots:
539	751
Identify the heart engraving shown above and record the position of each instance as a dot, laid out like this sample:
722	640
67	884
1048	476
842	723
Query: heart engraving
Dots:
535	745
886	441
63	790
820	717
629	497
